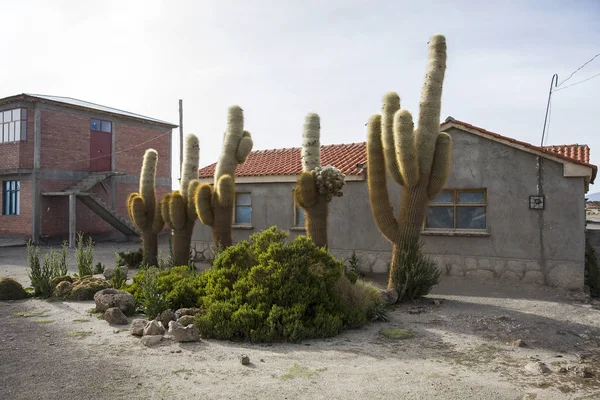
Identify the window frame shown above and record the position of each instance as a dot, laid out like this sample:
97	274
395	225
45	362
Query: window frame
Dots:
235	205
14	126
10	195
296	223
100	124
455	204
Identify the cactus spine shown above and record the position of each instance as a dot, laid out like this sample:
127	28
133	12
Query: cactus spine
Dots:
177	207
419	159
214	206
144	210
316	186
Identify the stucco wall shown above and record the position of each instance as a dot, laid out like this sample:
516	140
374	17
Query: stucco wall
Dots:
520	244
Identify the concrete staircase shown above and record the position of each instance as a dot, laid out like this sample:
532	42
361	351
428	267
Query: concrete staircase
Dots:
102	209
89	182
94	203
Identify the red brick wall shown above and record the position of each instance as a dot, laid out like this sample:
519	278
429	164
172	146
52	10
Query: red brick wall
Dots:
19	154
129	158
65	141
19	224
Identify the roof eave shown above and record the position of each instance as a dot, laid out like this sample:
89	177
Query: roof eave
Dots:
34	99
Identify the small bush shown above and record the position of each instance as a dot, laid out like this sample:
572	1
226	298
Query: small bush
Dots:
10	289
592	271
99	269
63	266
415	274
118	279
41	274
266	290
84	254
131	259
179	287
353	267
146	292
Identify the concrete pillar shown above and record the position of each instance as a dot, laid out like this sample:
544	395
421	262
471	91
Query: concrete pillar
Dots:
72	220
113	166
36	197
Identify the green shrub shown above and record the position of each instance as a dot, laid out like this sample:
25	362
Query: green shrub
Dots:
63	266
99	269
352	272
118	279
131	259
592	271
151	298
40	274
84	254
266	289
10	289
416	273
179	287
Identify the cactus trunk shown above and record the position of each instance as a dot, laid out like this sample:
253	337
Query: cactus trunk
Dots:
180	245
221	230
149	247
414	203
316	222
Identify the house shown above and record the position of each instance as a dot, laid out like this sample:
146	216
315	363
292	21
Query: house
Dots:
509	209
68	165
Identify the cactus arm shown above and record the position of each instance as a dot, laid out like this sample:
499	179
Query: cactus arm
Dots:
204	206
129	208
311	146
378	193
225	192
147	180
441	165
405	148
158	223
391	104
164	210
191	159
190	201
138	211
431	103
177	208
228	162
305	192
244	148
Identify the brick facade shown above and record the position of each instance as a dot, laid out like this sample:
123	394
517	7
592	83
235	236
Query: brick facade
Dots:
65	159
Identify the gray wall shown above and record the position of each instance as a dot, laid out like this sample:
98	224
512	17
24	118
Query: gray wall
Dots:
520	244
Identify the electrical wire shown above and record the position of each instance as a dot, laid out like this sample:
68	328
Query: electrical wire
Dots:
576	83
578	69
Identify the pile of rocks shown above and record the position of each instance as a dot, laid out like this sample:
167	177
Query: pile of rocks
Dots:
179	324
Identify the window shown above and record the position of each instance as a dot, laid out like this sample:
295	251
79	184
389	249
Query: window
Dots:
13	125
458	209
11	204
100	126
243	209
299	217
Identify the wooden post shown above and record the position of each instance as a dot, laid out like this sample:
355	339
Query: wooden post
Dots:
72	220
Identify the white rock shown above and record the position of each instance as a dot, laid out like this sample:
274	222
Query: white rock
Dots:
137	326
151	340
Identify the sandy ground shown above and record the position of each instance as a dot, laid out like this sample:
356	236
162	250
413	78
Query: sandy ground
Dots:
462	349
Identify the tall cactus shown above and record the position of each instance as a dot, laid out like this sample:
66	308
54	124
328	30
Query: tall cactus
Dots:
316	186
418	159
214	206
144	210
178	209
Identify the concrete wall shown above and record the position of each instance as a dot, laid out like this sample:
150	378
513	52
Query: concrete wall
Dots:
519	244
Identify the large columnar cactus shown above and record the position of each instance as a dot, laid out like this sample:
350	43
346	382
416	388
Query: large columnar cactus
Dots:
178	209
214	206
418	159
316	185
144	210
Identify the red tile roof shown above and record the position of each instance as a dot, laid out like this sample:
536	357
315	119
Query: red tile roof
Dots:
287	161
579	152
346	156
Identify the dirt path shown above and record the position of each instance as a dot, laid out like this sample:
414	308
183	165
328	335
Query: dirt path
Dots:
462	349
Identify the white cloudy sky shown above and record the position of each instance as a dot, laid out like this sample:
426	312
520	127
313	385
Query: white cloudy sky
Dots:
282	59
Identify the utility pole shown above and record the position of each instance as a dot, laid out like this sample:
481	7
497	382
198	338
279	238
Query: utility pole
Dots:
180	140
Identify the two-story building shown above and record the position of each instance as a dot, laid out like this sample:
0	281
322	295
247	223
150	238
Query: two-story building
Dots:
68	165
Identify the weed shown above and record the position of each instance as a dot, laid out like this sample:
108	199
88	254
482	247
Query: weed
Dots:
99	268
84	254
28	314
298	371
396	333
118	279
182	371
78	333
43	321
81	320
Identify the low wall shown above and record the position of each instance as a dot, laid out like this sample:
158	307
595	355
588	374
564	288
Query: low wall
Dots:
564	274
